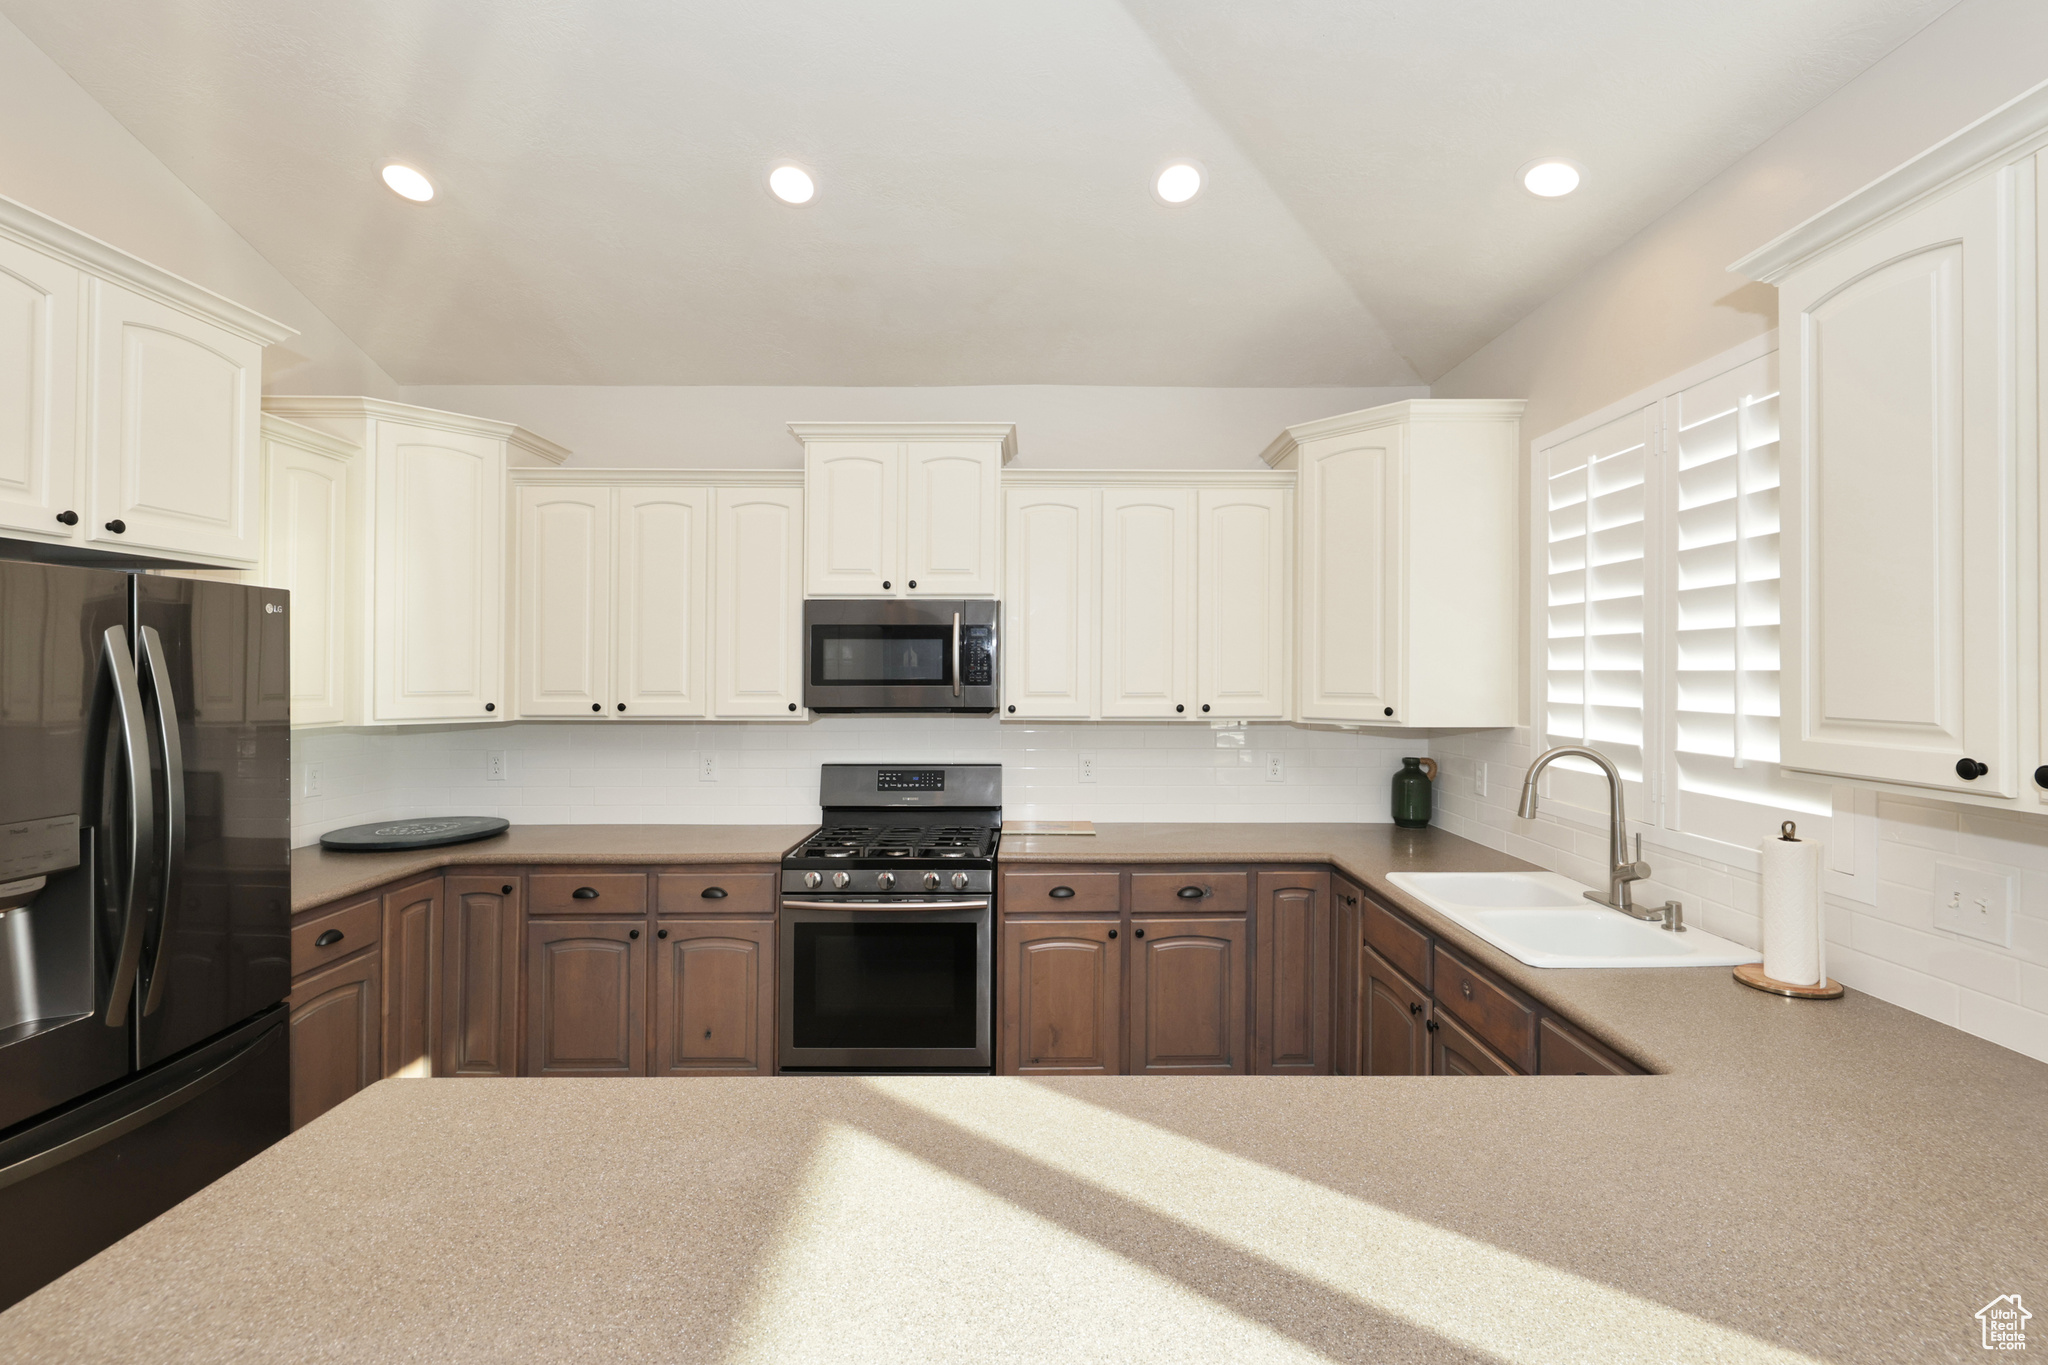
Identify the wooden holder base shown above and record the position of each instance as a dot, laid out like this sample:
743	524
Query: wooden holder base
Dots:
1751	974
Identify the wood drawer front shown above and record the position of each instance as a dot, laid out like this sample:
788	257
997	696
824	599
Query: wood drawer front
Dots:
1456	1051
1565	1053
1500	1021
618	893
1038	893
1398	941
694	893
1159	893
356	924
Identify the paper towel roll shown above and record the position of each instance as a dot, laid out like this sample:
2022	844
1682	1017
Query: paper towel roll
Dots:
1790	901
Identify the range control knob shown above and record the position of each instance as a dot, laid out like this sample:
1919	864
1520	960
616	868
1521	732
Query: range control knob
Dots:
931	881
813	878
885	880
959	881
840	879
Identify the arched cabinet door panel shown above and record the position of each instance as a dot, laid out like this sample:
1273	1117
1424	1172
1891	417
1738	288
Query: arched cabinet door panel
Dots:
586	1004
1062	997
1188	997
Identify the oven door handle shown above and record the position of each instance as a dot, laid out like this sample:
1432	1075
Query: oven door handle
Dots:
981	904
956	653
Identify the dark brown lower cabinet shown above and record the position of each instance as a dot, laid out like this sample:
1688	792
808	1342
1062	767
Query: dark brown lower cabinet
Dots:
1292	1035
1455	1051
1562	1052
479	995
713	994
1187	997
412	949
1061	997
1395	1020
337	1018
586	1005
1347	1023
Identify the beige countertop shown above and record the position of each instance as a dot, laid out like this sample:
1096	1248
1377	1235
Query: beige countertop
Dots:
1843	1181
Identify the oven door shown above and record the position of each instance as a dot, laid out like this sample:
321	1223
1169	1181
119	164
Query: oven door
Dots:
880	985
900	656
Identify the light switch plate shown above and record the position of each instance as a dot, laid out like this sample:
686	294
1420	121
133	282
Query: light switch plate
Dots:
1973	902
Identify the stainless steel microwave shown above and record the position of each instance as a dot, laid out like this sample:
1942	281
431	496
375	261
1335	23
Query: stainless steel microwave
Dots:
892	654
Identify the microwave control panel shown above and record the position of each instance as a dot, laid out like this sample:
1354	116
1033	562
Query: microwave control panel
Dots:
977	658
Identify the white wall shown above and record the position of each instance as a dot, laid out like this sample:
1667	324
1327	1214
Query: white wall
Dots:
65	156
583	772
1058	426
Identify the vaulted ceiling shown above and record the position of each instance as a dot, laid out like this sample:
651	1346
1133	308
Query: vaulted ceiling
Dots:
984	212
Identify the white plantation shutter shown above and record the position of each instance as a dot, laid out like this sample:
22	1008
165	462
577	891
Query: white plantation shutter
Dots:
1724	605
1595	682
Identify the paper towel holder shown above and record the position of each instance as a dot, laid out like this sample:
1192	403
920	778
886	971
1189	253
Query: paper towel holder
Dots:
1751	974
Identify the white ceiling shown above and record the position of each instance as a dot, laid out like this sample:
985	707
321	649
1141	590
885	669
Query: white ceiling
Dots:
984	213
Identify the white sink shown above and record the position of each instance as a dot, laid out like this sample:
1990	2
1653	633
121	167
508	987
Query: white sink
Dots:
1546	921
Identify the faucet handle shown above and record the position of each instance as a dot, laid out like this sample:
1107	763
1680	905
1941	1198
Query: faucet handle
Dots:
1637	870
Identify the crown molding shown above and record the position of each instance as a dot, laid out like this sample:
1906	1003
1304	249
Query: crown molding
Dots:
301	406
660	478
276	428
1283	446
20	223
1170	478
1006	432
2001	133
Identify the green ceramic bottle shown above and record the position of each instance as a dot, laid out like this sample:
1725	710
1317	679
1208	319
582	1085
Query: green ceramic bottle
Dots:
1411	792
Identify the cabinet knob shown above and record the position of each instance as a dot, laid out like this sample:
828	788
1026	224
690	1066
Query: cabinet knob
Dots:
1137	933
490	706
1061	893
1465	989
792	706
1013	710
1390	710
1177	709
1414	1008
328	939
1192	893
661	933
595	707
885	582
2041	776
117	526
707	1033
1205	706
713	893
622	706
584	893
1112	933
1430	1025
632	933
67	518
913	583
1969	769
505	890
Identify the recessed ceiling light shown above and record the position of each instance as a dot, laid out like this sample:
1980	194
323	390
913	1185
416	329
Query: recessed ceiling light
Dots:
1179	182
791	184
1550	177
408	183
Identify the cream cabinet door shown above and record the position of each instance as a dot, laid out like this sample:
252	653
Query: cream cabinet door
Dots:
1148	602
1350	551
38	393
438	635
306	526
661	639
850	533
1898	492
758	657
564	636
174	423
949	518
1241	549
1049	605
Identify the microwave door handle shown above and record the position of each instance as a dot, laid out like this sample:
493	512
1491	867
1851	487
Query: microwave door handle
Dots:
125	695
956	653
156	669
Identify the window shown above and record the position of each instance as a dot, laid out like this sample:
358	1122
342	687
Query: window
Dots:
1661	603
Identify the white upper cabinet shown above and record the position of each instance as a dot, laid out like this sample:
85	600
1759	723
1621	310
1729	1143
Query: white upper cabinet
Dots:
1406	563
760	602
309	539
1909	316
1243	549
129	401
564	575
902	510
1148	602
661	642
1050	603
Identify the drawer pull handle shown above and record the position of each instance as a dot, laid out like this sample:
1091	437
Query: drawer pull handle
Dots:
1465	989
1061	893
1192	893
585	893
713	893
328	939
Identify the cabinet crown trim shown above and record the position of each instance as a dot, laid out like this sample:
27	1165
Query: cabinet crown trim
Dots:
1161	478
1006	432
307	438
669	478
1291	439
45	234
1999	134
299	405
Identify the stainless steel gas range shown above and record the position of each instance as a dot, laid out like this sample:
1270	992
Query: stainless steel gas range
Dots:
887	942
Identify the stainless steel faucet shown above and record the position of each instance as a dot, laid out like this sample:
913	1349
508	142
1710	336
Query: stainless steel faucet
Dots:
1622	870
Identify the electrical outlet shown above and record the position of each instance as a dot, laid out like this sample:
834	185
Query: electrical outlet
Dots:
494	766
312	781
1479	779
707	767
1087	762
1973	903
1276	768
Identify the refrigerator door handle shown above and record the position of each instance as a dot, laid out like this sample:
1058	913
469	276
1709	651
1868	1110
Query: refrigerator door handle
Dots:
127	708
157	672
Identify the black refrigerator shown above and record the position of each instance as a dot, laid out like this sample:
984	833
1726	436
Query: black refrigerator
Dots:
145	900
